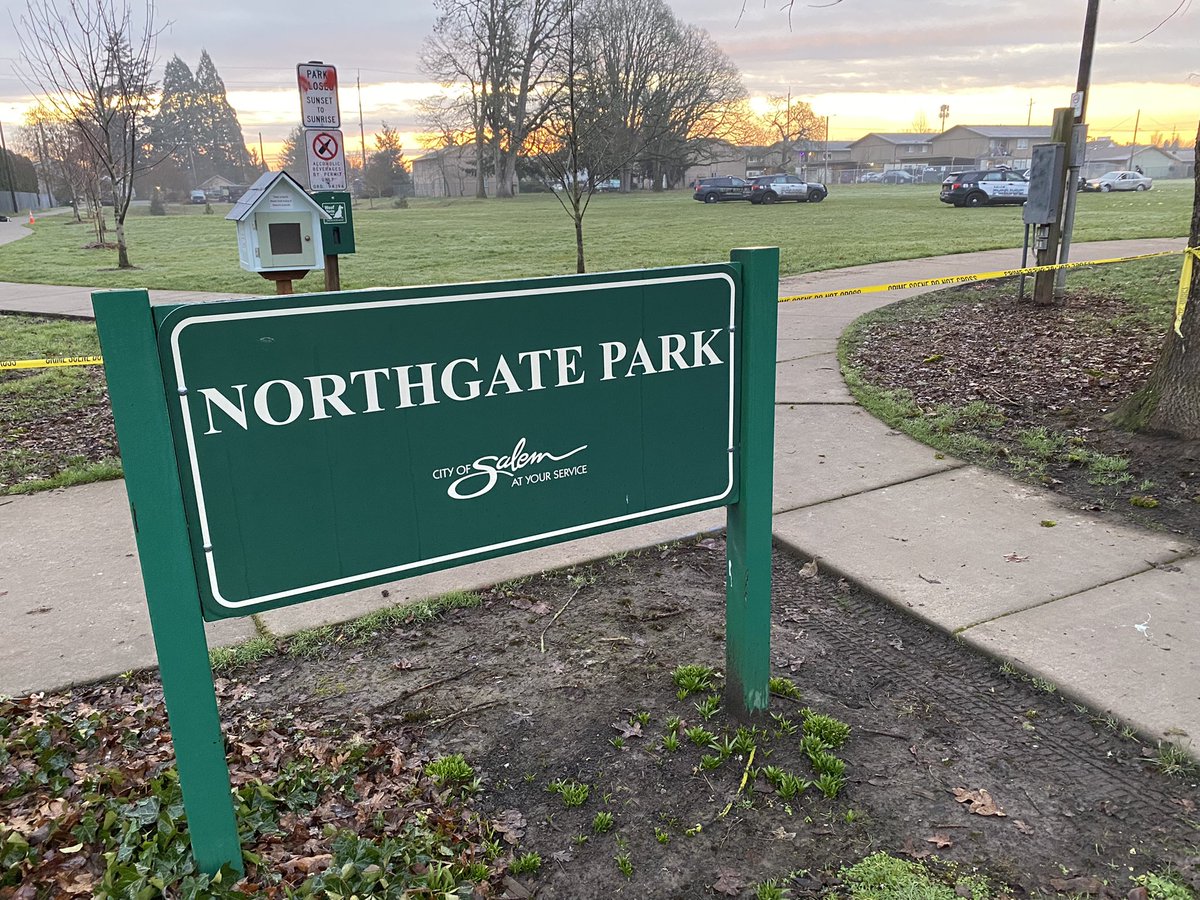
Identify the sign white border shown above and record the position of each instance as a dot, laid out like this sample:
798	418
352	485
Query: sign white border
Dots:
350	581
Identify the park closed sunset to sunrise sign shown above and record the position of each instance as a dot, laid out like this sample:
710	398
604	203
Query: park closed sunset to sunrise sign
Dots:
331	442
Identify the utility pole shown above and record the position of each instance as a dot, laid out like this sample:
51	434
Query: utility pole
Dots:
262	156
362	135
787	130
1029	115
826	150
1074	162
1133	146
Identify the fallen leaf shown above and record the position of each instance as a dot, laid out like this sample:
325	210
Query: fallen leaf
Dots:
729	883
562	856
1013	557
1084	884
809	569
515	888
1023	827
628	729
540	609
308	864
980	801
915	852
520	603
941	841
781	834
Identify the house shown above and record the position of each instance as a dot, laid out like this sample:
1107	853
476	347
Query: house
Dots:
988	146
451	172
221	188
883	150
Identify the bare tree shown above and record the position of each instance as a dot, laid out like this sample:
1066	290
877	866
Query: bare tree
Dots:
89	61
494	56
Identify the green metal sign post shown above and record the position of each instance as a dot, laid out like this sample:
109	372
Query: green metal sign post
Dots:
284	449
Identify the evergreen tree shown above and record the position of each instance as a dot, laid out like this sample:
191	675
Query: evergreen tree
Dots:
291	157
387	172
174	133
225	150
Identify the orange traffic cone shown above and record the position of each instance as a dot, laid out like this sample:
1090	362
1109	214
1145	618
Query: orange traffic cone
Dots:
31	217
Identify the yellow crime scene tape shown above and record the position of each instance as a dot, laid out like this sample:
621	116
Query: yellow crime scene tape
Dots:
1185	277
10	365
967	279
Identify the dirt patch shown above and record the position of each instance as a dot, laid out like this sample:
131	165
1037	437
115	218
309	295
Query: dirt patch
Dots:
1059	370
939	738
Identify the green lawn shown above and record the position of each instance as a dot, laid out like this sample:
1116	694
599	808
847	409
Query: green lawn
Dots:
465	239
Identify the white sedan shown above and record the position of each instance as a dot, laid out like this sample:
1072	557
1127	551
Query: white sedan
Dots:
1120	181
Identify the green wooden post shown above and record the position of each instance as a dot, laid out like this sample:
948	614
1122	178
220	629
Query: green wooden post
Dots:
748	522
135	384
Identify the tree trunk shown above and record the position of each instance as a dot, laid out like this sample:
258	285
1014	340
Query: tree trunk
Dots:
508	172
122	249
577	209
480	183
1169	402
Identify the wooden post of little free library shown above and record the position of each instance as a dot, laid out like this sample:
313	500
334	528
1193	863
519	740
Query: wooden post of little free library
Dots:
290	400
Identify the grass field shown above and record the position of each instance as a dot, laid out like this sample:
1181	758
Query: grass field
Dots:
465	239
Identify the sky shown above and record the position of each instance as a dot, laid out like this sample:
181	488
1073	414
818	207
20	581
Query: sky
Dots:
869	65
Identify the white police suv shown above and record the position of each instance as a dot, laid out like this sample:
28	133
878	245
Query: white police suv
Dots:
984	187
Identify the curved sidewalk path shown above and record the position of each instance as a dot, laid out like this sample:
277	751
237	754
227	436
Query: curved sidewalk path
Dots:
1105	611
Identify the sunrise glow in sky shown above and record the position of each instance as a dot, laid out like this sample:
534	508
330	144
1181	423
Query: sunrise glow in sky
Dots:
870	65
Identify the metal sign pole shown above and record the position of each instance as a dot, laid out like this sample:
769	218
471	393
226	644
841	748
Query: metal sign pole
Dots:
748	521
125	322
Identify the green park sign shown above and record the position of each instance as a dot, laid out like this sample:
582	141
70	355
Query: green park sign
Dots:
284	449
329	443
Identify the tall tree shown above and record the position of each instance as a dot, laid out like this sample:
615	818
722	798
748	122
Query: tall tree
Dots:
387	174
223	147
1169	402
292	158
90	61
494	56
175	134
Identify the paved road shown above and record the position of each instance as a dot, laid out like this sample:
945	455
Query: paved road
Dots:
1105	611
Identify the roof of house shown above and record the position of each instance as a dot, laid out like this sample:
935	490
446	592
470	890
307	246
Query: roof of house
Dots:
898	137
257	191
1005	131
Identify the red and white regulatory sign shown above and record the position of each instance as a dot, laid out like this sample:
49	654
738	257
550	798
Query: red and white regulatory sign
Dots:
318	96
326	159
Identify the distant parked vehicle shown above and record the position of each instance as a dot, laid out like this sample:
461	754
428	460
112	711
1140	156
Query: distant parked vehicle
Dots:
772	188
984	187
721	187
1123	180
199	197
896	176
869	177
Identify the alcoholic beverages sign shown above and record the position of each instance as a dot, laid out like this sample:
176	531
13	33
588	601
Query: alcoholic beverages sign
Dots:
335	442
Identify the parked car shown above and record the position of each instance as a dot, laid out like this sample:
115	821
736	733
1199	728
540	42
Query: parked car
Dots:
869	177
1119	181
199	197
984	187
772	188
721	187
896	176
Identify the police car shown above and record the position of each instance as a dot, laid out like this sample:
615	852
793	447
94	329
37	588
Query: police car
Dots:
984	187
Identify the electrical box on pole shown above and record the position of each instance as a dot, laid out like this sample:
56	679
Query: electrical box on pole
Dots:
1046	236
1045	185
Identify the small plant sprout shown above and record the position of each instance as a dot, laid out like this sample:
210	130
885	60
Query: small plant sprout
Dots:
783	725
670	742
830	730
694	830
1171	759
710	761
674	724
784	687
851	816
790	786
708	706
580	839
447	771
642	717
526	864
699	735
624	864
693	679
812	743
618	742
772	774
662	835
573	793
771	889
726	746
602	823
830	785
828	764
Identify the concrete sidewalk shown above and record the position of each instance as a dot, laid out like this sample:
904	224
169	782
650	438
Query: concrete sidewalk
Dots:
1104	611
